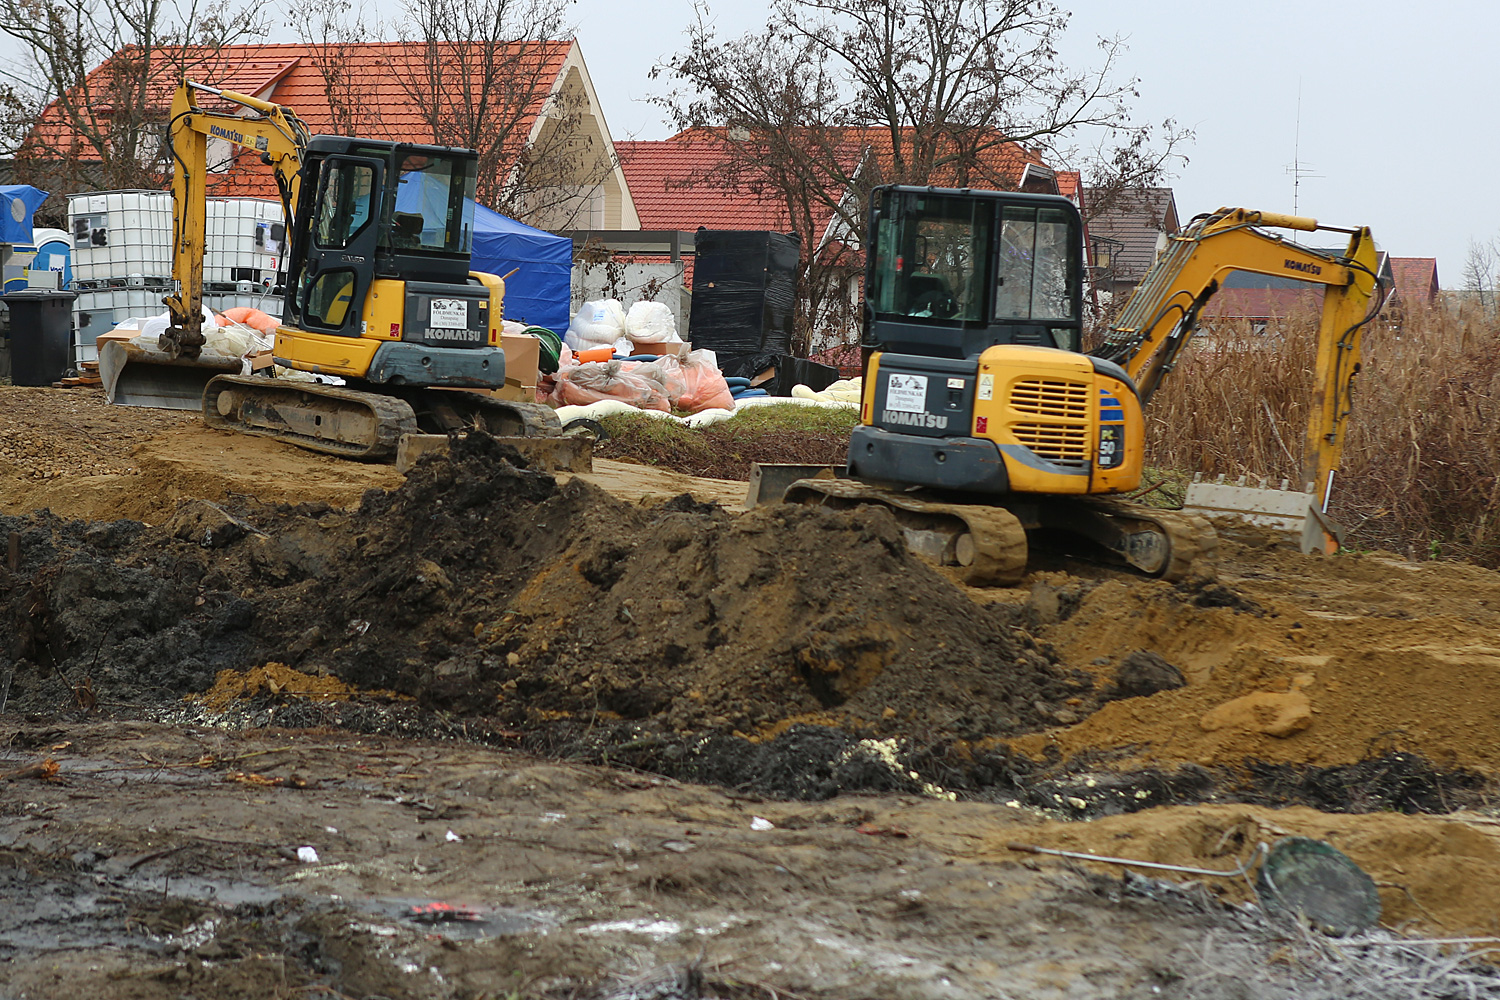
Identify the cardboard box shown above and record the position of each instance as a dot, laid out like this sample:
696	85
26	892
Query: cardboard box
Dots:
261	360
522	354
106	337
662	350
515	391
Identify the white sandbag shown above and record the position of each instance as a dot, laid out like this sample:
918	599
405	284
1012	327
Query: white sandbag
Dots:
651	323
596	324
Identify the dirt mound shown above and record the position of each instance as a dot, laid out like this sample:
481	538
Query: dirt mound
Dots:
1294	660
482	588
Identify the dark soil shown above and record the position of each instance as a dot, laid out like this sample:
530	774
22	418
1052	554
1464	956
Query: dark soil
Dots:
485	590
725	450
791	652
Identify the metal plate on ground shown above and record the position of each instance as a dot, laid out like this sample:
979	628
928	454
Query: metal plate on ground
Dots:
1312	878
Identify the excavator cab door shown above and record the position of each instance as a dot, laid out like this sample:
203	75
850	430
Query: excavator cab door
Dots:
340	257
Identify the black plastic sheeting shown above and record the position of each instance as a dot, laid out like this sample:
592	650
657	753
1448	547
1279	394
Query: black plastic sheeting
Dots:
790	371
744	291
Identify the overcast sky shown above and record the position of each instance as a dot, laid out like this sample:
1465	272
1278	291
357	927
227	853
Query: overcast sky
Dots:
1397	121
1397	102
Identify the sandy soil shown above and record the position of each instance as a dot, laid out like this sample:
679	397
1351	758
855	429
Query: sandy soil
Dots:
160	859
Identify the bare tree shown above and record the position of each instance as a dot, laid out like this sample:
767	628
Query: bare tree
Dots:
488	80
334	30
92	79
1481	270
837	95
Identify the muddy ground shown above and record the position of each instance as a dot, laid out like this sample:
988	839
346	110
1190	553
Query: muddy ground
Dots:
637	735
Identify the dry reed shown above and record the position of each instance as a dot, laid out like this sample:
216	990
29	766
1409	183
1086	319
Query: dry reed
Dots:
1421	468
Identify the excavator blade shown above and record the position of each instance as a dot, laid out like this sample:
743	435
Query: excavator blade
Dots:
1296	511
135	376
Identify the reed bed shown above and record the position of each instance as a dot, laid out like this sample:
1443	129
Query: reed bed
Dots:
1421	467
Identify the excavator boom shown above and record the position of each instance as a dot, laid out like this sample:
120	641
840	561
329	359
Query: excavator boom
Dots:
1162	316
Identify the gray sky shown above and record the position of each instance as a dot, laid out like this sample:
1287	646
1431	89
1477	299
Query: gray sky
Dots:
1394	99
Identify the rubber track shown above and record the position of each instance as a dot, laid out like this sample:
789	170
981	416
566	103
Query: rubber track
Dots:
1192	538
394	417
999	539
536	420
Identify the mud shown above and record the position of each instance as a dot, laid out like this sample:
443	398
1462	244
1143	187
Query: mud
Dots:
277	639
166	862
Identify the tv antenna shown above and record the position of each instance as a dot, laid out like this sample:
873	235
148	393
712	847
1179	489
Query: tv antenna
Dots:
1297	168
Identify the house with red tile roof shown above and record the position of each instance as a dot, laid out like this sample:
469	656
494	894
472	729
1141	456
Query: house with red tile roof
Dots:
542	101
713	178
1415	281
703	177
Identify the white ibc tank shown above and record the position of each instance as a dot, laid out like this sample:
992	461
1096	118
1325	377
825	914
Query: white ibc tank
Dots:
121	235
246	238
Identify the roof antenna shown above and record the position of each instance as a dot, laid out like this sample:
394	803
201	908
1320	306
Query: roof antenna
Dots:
1296	168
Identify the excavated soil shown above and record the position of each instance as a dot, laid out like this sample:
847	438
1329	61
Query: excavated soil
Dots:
267	628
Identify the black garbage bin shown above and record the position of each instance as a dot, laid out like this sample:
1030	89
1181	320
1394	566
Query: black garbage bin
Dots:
41	335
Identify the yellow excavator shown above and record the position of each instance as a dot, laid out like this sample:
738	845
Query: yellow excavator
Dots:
377	292
982	420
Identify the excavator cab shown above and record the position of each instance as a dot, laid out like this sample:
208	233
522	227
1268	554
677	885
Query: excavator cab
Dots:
975	307
956	272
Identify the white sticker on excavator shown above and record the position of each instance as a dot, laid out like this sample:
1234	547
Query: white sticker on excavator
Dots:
449	314
907	393
986	387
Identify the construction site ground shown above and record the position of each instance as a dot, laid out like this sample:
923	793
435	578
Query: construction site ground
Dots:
281	725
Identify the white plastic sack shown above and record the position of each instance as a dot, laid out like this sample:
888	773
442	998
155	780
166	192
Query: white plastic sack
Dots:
651	323
596	324
152	327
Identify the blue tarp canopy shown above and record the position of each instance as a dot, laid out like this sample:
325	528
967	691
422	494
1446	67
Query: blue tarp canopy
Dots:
17	203
540	292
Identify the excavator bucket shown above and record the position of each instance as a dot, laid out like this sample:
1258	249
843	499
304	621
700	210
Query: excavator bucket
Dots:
1295	511
135	376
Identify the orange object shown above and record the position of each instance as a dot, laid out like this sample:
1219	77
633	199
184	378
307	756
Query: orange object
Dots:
594	354
253	318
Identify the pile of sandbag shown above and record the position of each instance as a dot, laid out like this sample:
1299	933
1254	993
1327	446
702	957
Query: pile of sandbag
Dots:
692	383
606	323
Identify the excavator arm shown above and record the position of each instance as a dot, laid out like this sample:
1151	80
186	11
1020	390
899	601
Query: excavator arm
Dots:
281	139
1162	314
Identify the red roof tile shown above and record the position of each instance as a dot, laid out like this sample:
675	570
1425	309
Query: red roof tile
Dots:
681	183
369	97
1416	279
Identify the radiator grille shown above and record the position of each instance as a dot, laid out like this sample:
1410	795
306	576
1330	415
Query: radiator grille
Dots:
1060	444
1051	398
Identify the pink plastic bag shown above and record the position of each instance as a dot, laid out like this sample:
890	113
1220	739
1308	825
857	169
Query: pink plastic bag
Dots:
703	385
640	385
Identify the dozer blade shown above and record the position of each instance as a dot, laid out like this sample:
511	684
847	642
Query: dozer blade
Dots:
987	543
134	376
324	418
1296	511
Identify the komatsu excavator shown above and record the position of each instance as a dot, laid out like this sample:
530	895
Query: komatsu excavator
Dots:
983	421
377	291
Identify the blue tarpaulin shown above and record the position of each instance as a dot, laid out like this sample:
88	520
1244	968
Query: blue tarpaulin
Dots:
540	292
17	203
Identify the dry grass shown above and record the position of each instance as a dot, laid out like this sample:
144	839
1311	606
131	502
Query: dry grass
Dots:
1421	469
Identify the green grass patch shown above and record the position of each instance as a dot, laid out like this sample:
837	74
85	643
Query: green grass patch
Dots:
808	435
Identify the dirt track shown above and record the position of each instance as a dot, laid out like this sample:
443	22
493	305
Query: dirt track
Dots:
788	654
